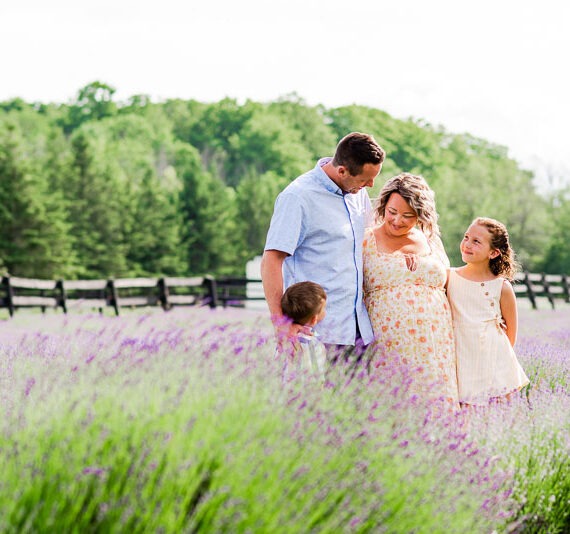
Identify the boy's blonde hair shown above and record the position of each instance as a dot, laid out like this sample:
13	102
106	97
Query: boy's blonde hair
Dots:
303	301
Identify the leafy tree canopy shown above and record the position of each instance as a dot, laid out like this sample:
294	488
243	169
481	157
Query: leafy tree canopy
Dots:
99	188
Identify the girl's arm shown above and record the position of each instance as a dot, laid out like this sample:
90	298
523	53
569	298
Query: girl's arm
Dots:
509	311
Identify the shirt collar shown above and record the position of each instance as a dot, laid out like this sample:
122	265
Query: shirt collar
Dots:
307	337
324	179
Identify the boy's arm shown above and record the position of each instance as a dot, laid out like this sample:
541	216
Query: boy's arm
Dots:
509	311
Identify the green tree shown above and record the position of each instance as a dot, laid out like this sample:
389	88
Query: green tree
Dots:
139	147
310	123
214	135
187	119
267	143
35	233
93	102
255	197
153	244
557	255
96	198
15	104
143	187
478	179
136	104
208	218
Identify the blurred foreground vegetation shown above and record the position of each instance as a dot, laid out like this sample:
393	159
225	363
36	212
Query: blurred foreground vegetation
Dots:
180	422
97	188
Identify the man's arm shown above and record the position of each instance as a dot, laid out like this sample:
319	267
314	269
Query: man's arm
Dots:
272	277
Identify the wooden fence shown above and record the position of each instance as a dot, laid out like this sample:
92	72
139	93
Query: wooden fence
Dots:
168	293
550	286
68	295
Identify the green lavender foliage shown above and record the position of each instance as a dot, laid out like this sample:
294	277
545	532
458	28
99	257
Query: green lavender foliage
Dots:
181	422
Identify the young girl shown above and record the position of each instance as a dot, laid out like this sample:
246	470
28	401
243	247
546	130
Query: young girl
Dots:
484	311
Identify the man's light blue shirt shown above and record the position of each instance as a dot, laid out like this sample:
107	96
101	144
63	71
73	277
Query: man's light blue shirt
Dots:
322	229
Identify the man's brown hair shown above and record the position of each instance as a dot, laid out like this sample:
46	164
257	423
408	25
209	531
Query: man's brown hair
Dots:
355	150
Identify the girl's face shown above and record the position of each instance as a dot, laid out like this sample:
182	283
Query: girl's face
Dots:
476	245
399	217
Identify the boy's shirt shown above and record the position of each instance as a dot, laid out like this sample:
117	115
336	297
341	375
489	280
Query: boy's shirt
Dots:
309	357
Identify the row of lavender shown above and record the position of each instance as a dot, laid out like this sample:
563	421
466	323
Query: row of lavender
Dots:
181	422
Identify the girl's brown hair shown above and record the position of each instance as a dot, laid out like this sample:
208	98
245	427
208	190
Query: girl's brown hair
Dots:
505	263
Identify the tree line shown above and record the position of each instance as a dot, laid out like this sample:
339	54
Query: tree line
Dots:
96	188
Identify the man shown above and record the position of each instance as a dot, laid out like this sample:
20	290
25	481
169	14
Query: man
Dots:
316	234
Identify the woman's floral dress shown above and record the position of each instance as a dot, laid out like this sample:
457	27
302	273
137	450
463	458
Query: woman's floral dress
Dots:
405	298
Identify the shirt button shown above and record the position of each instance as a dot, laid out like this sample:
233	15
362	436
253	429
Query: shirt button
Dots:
486	293
492	303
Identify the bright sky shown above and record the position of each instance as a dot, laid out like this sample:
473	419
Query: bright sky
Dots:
497	69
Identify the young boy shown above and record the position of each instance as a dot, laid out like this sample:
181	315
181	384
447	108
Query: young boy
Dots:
304	304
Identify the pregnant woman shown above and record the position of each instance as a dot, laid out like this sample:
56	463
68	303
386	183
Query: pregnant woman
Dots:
405	271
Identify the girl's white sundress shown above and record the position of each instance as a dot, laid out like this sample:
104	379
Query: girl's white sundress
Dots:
487	366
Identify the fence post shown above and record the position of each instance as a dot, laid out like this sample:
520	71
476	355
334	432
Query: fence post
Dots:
114	298
9	295
546	287
163	293
531	296
62	296
211	291
566	288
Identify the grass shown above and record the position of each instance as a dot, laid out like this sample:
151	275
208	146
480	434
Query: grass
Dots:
180	422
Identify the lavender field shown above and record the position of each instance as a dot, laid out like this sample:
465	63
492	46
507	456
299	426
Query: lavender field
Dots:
180	422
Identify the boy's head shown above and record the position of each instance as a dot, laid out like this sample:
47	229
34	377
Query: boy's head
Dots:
304	303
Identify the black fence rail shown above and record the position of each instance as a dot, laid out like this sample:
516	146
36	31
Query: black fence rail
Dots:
235	291
166	292
29	293
169	292
553	287
75	294
194	291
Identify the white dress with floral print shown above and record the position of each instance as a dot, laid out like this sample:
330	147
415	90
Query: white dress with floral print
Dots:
405	298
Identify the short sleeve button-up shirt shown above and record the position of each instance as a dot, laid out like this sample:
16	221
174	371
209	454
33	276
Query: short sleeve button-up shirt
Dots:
322	229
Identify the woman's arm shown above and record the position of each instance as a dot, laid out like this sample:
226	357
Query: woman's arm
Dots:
509	311
440	249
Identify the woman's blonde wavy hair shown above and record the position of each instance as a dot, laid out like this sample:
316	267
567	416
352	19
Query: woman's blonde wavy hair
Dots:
418	194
